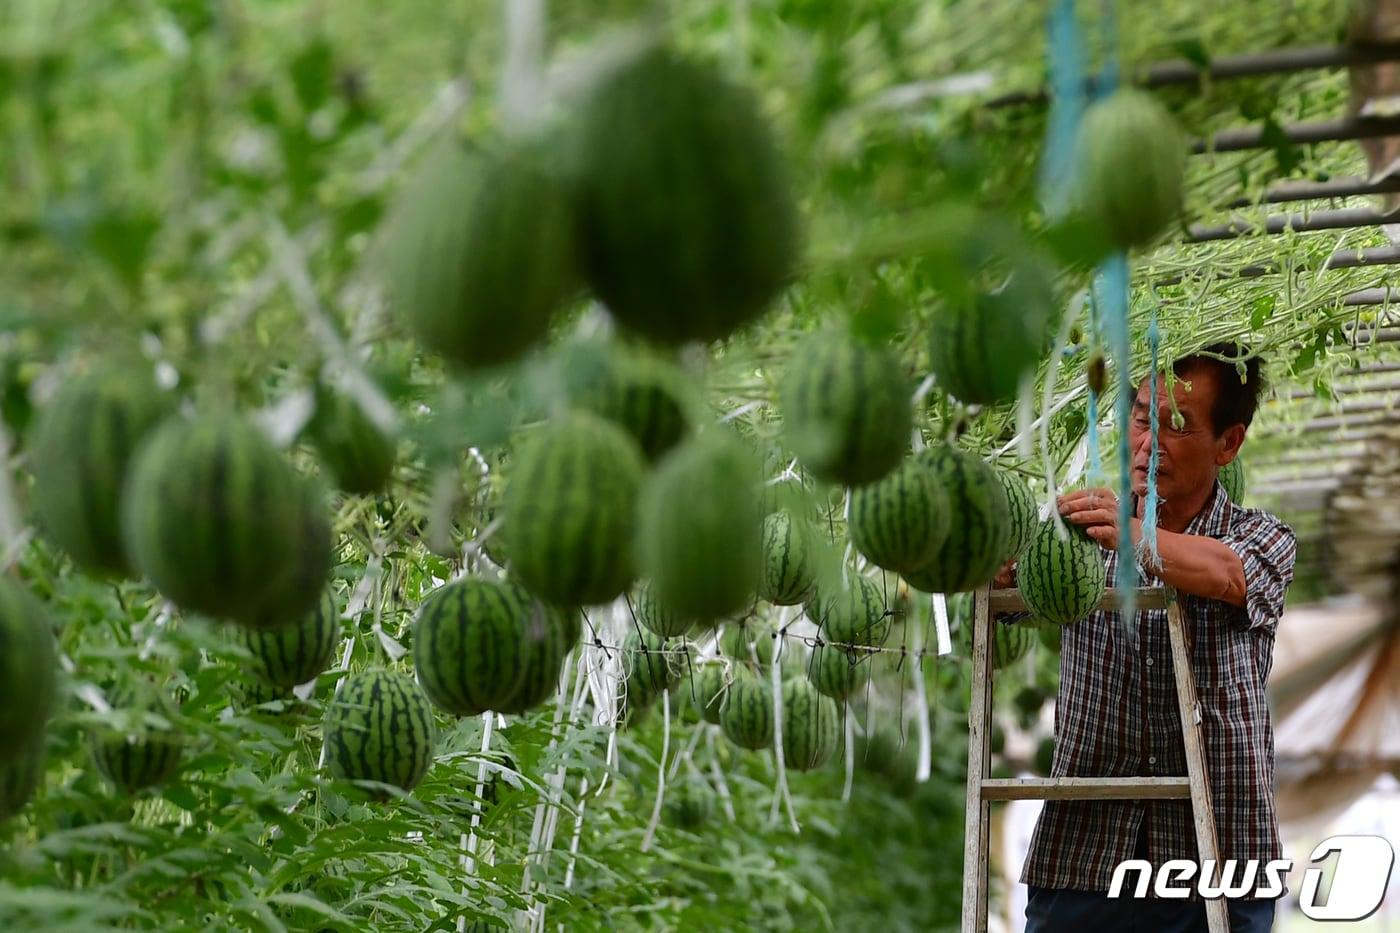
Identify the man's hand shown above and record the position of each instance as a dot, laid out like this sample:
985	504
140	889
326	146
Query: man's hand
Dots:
1006	576
1096	511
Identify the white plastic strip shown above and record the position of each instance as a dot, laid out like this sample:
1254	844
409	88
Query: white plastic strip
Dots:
940	624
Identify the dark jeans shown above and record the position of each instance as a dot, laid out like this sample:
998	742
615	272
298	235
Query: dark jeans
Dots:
1054	911
1058	911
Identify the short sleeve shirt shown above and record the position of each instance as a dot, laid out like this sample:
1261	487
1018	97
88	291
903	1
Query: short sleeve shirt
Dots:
1116	716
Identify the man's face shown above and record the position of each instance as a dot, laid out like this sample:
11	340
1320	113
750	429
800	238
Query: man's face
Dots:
1190	452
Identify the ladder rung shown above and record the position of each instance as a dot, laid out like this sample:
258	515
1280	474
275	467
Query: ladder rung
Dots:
1084	788
1151	597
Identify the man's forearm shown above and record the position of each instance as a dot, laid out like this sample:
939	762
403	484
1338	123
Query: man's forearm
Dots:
1198	565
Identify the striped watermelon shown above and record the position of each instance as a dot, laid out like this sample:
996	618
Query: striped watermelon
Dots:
469	644
750	640
1130	168
980	526
899	522
1232	477
1010	642
836	672
137	753
980	348
570	511
1061	580
846	409
352	447
222	525
653	614
688	226
853	615
642	395
79	454
549	635
379	727
811	726
295	653
28	668
1025	514
1050	635
700	527
709	684
20	775
250	694
789	566
689	803
747	717
478	253
651	663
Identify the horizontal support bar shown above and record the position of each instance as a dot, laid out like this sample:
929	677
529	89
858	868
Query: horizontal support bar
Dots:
1321	131
1148	597
1302	190
1369	297
1085	788
1345	218
1341	259
1274	61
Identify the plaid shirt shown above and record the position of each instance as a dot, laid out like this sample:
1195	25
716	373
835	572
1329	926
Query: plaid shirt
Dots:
1116	716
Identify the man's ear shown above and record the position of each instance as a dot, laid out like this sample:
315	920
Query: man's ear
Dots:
1231	440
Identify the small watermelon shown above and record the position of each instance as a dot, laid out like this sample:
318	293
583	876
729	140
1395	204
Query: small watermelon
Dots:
640	394
137	753
899	521
469	644
1010	642
789	566
654	615
750	640
549	636
1061	579
689	803
219	521
979	530
1232	477
79	455
570	511
357	453
28	669
1131	167
20	775
688	227
379	727
747	718
295	653
811	726
478	253
1025	514
1050	635
855	614
700	528
846	409
836	672
651	664
982	347
709	684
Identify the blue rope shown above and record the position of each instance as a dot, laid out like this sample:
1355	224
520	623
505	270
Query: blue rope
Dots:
1149	509
1113	282
1067	104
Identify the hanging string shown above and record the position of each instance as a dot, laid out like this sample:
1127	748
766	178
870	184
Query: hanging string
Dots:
1095	475
1148	547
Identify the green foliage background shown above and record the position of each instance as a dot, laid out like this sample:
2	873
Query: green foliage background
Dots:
204	178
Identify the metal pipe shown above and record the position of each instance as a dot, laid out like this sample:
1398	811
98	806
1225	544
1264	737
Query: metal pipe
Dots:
1322	131
1305	190
1341	259
1274	61
1341	219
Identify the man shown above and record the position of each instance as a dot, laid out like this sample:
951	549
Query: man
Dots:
1116	713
